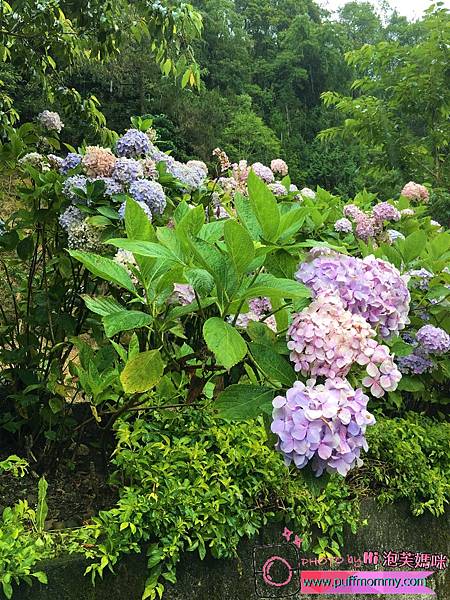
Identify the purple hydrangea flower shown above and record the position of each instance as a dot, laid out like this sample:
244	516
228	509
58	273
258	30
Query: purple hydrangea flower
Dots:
71	161
343	225
150	192
277	188
433	340
132	144
127	170
324	424
369	287
263	172
415	364
385	212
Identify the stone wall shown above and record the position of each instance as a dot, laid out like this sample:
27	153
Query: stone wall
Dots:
389	528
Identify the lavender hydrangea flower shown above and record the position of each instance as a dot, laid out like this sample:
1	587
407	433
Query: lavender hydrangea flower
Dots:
343	226
192	177
322	424
369	287
132	144
71	216
50	120
277	188
433	340
263	172
385	212
71	161
149	192
127	170
143	205
183	293
76	181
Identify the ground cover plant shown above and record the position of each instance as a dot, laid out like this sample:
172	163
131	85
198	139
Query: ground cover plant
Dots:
231	336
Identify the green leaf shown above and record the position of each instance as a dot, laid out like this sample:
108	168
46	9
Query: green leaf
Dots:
410	384
264	206
413	245
247	217
272	365
25	248
268	285
291	222
142	372
201	280
260	333
240	402
224	341
102	305
42	508
142	248
40	576
109	212
105	268
239	245
137	224
124	321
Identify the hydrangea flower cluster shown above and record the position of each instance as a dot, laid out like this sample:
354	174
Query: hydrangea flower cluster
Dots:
384	211
82	236
191	176
149	192
132	144
343	225
415	192
433	340
183	293
279	167
420	278
263	172
127	170
259	308
407	212
369	287
50	120
76	181
98	162
324	424
36	160
71	161
149	168
278	188
223	159
308	193
112	186
327	340
71	216
415	363
393	235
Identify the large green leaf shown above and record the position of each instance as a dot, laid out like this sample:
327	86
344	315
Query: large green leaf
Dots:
272	365
224	341
201	280
268	285
104	267
240	402
142	372
102	305
141	248
413	245
264	206
137	224
247	217
124	321
239	245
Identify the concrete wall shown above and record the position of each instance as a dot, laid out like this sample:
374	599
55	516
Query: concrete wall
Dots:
389	528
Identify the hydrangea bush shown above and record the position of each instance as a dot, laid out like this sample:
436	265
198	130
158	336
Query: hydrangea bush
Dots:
227	286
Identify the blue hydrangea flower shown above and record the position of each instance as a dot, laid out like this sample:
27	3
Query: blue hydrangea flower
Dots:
127	170
133	144
71	161
71	216
76	181
111	185
415	364
150	192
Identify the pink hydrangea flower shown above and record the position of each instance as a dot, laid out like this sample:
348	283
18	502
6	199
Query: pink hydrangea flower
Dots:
279	167
415	192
